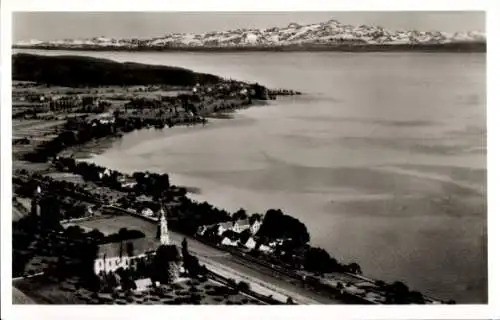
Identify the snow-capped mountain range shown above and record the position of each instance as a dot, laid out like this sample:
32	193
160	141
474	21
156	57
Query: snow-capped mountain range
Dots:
331	33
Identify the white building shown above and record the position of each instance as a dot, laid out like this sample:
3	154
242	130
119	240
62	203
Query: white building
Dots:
124	254
254	228
265	249
224	226
147	212
251	243
112	256
164	236
241	225
228	242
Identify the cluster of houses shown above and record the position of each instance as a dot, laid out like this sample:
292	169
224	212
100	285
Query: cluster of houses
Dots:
125	181
236	228
105	118
44	103
226	89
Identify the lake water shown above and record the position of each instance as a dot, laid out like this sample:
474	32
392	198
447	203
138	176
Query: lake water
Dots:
383	158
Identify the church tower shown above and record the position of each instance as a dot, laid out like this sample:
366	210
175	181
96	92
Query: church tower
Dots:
164	238
35	207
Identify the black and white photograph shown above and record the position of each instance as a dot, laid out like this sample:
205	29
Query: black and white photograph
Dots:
248	158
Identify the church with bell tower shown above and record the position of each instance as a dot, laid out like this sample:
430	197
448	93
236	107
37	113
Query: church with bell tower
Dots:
163	228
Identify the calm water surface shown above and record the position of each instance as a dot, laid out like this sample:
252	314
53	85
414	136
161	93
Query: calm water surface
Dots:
383	158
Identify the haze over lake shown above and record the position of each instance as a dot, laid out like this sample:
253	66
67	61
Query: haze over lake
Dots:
383	158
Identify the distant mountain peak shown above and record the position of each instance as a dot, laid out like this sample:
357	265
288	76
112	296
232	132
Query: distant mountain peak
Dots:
328	34
333	21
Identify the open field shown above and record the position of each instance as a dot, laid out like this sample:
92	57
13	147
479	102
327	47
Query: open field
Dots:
30	166
66	176
113	223
35	127
107	224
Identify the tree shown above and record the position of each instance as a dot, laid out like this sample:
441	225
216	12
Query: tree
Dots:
240	215
398	293
50	213
96	235
353	268
259	92
400	288
184	247
232	283
243	286
165	264
318	260
255	217
130	249
61	268
191	263
416	297
86	255
112	280
74	232
277	225
195	298
127	282
192	266
380	283
78	211
245	235
211	234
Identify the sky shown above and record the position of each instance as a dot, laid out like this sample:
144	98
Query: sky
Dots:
63	25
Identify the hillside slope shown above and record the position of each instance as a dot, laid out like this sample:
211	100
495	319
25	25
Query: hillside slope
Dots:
86	71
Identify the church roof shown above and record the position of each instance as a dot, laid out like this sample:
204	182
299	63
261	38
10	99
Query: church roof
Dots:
140	246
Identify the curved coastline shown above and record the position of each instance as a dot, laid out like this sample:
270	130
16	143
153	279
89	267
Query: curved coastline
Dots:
99	148
310	281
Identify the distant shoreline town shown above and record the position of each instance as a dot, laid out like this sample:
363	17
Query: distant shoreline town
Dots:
327	36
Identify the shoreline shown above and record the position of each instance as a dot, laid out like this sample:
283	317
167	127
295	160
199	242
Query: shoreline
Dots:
103	144
458	47
193	192
96	147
